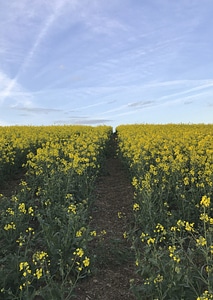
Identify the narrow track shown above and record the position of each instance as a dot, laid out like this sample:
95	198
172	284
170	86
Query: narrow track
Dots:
114	262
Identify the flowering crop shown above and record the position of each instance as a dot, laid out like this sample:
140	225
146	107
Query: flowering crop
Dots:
45	226
15	143
172	174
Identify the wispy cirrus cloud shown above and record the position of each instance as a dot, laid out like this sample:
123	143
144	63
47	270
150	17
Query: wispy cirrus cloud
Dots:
81	120
141	103
37	110
92	105
201	89
181	82
41	18
166	94
210	104
93	121
56	8
101	24
103	60
16	96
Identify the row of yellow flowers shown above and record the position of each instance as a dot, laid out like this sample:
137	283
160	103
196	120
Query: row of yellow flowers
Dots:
45	226
17	141
172	174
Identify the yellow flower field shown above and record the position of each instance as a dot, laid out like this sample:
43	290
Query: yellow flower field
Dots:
45	226
172	174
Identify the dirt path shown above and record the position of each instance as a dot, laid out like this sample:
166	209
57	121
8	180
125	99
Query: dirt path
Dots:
112	212
11	185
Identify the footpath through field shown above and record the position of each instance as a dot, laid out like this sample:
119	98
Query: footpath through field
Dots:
111	212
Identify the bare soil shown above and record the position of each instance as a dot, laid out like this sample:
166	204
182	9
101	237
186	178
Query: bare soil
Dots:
11	185
114	263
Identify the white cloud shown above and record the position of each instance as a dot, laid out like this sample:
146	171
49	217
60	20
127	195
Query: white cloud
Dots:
36	110
11	89
104	25
80	55
51	18
11	86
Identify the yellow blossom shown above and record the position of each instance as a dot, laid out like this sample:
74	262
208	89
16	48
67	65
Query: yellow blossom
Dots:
201	241
22	208
160	228
30	229
31	211
47	202
180	223
79	233
79	252
189	226
40	257
10	211
103	232
79	267
93	233
205	296
38	273
174	228
205	201
20	241
14	198
136	207
72	208
151	241
204	217
86	261
9	226
158	279
125	235
186	181
172	254
24	266
119	214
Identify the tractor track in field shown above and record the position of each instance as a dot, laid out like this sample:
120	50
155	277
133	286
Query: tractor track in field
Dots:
11	185
114	263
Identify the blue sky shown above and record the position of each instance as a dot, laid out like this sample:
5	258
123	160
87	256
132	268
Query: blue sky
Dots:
109	62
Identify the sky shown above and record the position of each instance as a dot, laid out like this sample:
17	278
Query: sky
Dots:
106	62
